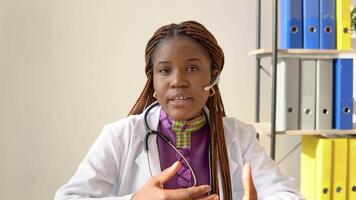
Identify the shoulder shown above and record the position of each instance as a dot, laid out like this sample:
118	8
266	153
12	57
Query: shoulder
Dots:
127	122
235	124
126	127
133	126
235	129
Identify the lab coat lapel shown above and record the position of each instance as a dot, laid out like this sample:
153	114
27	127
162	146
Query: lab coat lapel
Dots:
142	160
232	164
230	139
232	144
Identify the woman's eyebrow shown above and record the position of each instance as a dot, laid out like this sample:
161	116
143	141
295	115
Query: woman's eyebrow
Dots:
192	59
186	60
163	62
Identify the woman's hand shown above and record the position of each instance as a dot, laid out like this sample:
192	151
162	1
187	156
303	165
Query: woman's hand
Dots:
249	187
153	188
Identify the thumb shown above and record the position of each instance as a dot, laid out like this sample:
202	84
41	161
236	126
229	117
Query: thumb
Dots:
168	173
249	187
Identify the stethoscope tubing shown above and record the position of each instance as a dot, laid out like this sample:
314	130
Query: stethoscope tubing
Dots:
166	139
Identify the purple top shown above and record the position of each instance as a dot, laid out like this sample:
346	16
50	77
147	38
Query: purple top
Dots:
197	156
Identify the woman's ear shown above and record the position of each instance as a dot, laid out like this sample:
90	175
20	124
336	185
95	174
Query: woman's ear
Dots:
214	74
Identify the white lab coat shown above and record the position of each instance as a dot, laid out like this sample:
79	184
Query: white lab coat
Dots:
116	165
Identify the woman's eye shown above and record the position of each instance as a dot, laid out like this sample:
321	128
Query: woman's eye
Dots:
193	68
164	71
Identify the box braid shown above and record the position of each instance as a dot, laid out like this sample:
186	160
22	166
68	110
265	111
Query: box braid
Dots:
215	105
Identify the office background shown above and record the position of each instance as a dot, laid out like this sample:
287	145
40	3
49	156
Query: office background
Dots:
69	67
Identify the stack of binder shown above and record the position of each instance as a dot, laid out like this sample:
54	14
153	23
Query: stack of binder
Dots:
314	93
310	24
317	94
328	168
343	72
343	97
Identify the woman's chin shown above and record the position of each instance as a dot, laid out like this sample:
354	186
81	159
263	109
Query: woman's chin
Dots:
183	114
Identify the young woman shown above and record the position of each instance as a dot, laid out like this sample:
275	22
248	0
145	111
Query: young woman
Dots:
177	142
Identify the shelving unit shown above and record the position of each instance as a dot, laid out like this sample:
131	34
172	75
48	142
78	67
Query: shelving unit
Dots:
265	129
305	53
275	53
274	66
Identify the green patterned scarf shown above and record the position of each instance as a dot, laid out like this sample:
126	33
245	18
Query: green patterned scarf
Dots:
184	129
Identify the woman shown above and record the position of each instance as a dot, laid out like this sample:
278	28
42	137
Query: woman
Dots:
181	100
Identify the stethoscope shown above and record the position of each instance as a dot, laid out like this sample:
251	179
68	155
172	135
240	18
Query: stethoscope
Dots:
167	140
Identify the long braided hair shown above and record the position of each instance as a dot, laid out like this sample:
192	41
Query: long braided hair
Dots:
215	105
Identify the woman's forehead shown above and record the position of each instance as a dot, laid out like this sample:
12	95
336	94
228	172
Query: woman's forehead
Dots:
182	45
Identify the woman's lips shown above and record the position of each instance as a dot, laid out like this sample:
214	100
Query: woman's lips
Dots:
180	100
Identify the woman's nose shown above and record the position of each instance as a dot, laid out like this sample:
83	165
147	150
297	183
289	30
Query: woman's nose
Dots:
179	79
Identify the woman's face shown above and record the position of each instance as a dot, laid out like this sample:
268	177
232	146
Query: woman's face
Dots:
181	70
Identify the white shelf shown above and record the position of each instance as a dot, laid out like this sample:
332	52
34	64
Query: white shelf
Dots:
265	129
305	53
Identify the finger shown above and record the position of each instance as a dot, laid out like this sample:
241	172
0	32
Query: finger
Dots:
210	197
187	193
246	175
167	174
249	187
198	191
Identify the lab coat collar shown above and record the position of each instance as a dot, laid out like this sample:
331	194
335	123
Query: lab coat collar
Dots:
153	120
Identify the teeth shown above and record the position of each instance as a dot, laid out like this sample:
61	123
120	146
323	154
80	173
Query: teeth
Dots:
179	98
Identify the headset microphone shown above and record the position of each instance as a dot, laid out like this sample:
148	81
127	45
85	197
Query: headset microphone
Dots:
216	81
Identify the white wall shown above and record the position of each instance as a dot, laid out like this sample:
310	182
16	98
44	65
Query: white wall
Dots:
69	67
